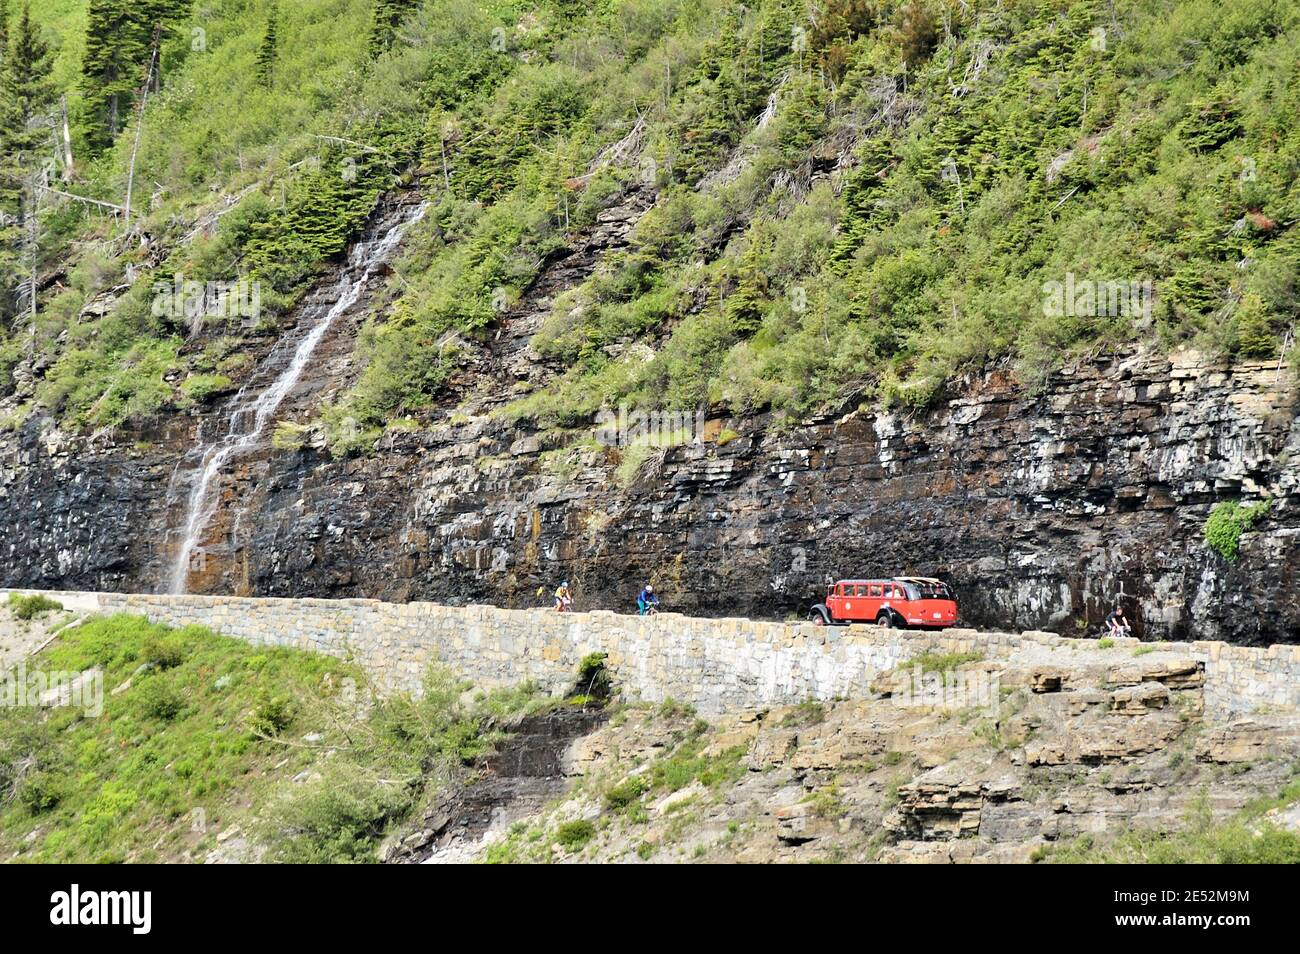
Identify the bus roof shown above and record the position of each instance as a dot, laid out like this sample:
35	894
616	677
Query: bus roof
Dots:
892	579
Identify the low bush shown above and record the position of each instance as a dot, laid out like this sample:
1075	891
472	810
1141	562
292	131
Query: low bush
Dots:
1227	522
30	607
574	834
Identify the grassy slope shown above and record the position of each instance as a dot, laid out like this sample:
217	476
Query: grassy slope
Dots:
1252	837
724	814
1173	154
215	733
1169	128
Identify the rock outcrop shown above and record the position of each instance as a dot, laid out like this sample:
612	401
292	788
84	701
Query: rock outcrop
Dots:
1039	508
1029	776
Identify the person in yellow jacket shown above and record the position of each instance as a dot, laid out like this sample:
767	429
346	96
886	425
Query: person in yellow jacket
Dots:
563	598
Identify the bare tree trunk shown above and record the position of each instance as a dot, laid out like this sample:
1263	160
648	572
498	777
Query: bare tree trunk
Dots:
139	122
31	240
67	143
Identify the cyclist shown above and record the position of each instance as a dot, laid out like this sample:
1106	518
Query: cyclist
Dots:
1117	623
647	600
563	598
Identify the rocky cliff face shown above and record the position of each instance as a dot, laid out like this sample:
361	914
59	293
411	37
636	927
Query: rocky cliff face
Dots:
1040	507
1069	754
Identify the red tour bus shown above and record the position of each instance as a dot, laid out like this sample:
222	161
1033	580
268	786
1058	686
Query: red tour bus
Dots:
899	602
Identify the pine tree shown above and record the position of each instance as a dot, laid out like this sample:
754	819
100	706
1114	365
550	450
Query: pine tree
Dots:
388	17
113	48
267	52
25	75
26	94
119	43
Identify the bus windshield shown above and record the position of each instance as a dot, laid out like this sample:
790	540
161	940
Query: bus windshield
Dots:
929	591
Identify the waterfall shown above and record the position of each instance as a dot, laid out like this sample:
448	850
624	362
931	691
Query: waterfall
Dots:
248	413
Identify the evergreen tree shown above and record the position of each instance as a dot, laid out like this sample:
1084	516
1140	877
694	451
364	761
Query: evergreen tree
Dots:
119	43
388	17
26	95
114	47
25	76
267	52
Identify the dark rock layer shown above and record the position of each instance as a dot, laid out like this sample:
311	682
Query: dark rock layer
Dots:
1039	508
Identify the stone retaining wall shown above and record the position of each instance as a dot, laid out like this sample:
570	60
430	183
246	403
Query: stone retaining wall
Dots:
713	664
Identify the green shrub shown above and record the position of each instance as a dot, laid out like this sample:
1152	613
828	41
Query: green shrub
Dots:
198	388
289	436
1241	839
1226	523
164	652
29	607
125	785
626	792
337	818
807	713
272	714
942	662
42	791
573	835
159	699
593	677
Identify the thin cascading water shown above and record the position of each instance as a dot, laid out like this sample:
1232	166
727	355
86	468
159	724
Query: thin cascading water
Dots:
253	408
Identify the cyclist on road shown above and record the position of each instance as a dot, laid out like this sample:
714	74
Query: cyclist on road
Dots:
1117	623
646	600
564	598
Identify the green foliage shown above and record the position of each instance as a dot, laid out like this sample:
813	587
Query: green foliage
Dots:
1243	839
272	714
30	607
1227	521
1057	155
158	699
593	677
573	835
42	791
626	792
163	651
337	818
388	16
942	662
199	388
171	742
191	733
405	750
118	45
26	97
807	713
687	765
266	53
853	199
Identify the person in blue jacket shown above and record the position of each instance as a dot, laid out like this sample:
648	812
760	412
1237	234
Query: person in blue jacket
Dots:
646	599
